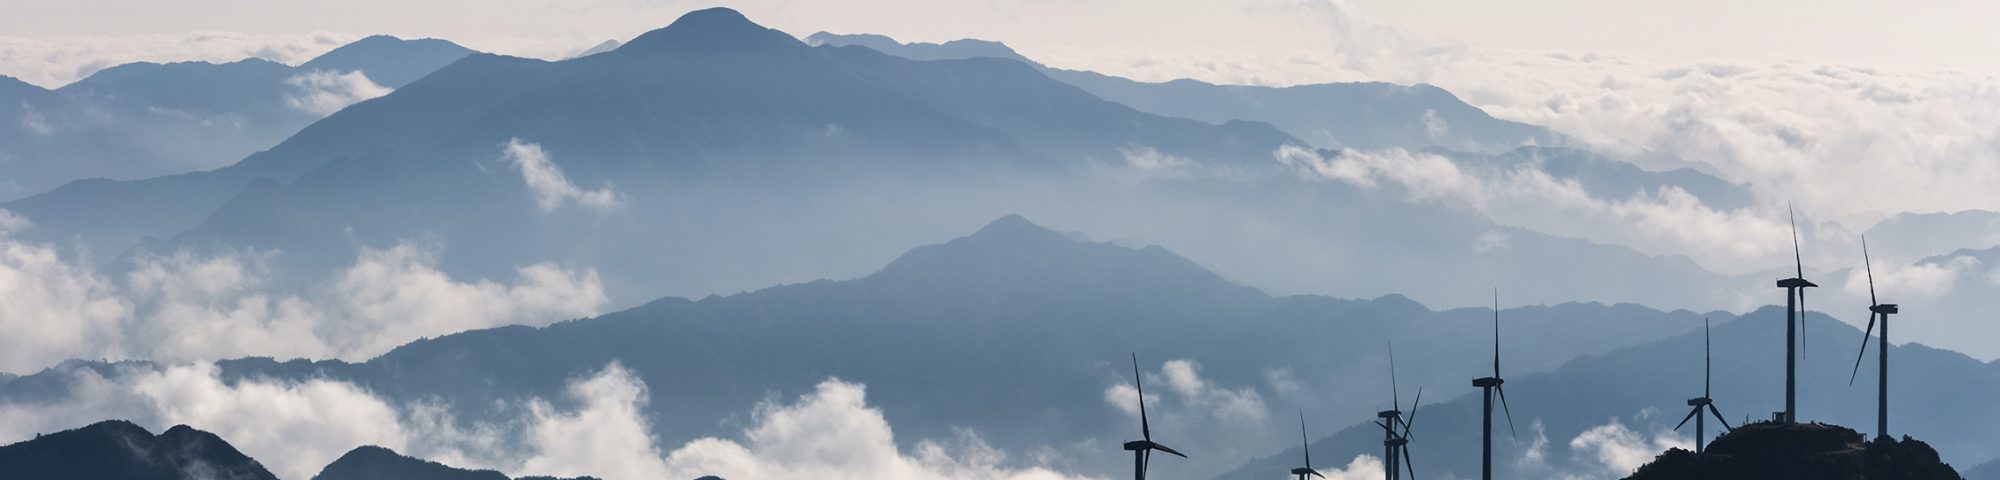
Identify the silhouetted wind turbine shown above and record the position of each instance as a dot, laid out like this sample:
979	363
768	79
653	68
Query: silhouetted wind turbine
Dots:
1795	305
1306	443
1396	429
1142	449
1490	386
1876	308
1703	402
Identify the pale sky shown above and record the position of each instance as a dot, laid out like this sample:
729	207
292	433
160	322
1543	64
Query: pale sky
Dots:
1924	31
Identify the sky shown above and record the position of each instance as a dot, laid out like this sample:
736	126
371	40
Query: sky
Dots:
1942	32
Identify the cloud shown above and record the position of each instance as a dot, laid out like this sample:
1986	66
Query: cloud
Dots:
297	427
202	307
1616	451
294	428
1664	221
551	187
1194	394
1363	467
323	92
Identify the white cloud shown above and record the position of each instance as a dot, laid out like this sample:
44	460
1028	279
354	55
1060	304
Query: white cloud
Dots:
297	427
323	92
194	307
551	187
1194	394
1363	467
1906	281
293	428
1616	451
1665	221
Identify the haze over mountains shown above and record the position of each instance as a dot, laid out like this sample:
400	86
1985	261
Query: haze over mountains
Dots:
144	120
420	243
1014	319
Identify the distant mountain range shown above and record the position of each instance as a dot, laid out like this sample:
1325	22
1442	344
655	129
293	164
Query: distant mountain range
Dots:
1018	320
377	463
142	120
118	449
1364	115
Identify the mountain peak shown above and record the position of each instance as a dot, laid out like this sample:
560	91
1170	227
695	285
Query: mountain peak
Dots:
1014	228
718	29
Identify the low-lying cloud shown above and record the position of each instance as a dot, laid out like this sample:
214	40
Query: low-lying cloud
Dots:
323	92
297	427
186	306
551	187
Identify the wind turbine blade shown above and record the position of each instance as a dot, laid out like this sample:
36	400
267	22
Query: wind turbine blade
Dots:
1145	428
1395	395
1718	416
1304	442
1164	448
1684	420
1510	411
1864	349
1409	465
1145	461
1802	325
1707	356
1496	332
1870	266
1412	420
1315	473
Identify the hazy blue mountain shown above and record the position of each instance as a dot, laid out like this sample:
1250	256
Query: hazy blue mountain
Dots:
117	449
1985	471
1366	115
712	101
389	61
605	46
1918	235
1934	394
1015	331
377	463
145	119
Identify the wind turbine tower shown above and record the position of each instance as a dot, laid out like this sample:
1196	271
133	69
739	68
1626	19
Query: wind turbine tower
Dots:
1491	386
1876	309
1795	304
1702	403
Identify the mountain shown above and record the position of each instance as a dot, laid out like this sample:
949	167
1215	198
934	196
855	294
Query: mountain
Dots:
710	102
1020	331
145	119
377	463
1639	391
1918	235
117	449
1366	115
1802	451
1985	471
389	61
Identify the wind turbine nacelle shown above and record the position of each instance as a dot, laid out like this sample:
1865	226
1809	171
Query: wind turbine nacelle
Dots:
1487	382
1883	308
1137	445
1699	401
1389	414
1304	471
1396	442
1795	283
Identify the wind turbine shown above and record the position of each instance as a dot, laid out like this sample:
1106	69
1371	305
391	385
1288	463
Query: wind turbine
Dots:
1490	386
1142	449
1305	443
1876	308
1396	429
1703	402
1795	305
